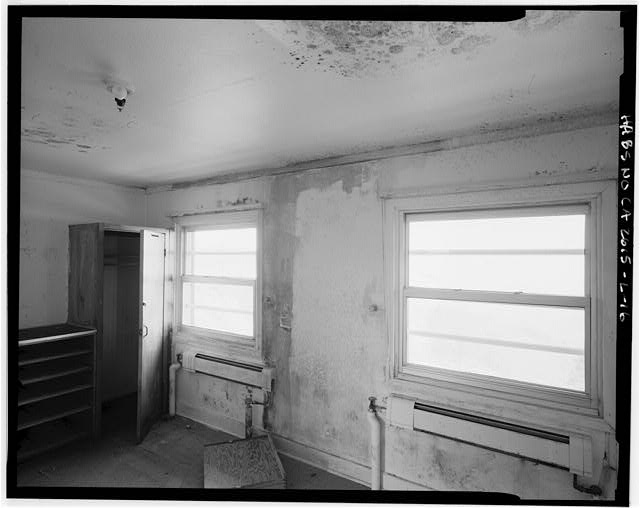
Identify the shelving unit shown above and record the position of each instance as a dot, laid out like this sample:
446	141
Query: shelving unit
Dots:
57	387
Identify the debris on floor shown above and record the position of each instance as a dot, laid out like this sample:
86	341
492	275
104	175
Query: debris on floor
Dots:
251	463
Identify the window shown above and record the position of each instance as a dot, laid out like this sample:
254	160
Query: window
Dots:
499	299
500	293
218	287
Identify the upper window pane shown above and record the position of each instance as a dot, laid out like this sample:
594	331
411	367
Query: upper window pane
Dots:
221	253
532	254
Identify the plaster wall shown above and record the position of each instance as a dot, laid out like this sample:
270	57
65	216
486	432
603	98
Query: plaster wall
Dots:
323	261
48	204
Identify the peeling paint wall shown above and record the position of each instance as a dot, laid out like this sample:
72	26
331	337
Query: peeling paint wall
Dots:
323	260
551	157
444	464
336	276
214	402
48	205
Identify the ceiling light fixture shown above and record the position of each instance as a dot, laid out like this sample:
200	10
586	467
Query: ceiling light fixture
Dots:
120	93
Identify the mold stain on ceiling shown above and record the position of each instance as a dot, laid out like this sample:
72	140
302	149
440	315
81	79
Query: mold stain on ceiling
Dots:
207	89
541	21
353	48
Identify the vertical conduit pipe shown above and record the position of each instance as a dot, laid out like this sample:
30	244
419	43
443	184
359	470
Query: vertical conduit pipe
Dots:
375	444
172	385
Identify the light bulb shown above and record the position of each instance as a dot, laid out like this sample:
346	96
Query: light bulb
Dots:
119	92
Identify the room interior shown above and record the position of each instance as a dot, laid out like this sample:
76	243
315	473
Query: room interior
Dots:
382	247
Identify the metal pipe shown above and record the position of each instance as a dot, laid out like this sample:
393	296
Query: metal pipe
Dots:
594	490
375	444
172	385
248	415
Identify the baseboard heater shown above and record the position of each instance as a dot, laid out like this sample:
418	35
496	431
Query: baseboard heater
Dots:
229	370
569	451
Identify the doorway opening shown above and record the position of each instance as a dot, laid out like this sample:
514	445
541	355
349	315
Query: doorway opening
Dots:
120	339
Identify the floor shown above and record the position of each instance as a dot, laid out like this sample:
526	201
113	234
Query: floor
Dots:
170	456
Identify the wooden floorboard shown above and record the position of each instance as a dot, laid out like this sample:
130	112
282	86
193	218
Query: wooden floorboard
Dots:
170	456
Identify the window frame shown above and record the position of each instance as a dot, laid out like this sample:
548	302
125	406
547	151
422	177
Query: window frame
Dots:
481	393
217	342
486	296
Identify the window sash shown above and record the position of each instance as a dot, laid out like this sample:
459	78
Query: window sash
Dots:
406	291
215	279
219	280
217	340
494	213
497	297
190	252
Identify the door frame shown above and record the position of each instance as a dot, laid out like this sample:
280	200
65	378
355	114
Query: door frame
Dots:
168	299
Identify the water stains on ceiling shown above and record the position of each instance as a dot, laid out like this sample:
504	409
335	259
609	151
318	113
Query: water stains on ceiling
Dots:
542	21
365	48
222	96
70	121
69	130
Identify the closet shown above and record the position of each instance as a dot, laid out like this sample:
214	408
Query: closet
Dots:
119	285
120	291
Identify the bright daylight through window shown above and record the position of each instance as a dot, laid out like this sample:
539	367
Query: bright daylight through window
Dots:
219	275
500	293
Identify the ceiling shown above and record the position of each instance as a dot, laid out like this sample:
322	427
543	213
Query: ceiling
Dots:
221	96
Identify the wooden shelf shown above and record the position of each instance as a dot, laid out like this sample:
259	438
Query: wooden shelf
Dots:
51	373
50	391
41	359
28	422
43	334
57	396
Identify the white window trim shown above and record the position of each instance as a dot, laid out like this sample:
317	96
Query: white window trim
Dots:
582	302
516	402
216	343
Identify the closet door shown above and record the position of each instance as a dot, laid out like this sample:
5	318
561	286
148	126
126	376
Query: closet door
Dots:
150	343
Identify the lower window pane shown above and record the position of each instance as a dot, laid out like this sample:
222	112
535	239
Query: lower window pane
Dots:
529	343
221	307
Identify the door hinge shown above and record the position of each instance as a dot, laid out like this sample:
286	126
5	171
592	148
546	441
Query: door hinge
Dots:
165	253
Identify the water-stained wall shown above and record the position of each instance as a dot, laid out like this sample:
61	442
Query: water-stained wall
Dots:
48	205
323	263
